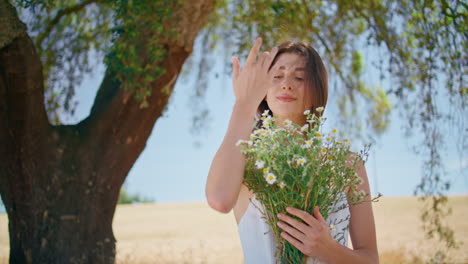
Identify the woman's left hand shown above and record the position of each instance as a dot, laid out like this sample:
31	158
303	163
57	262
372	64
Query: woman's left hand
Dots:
312	236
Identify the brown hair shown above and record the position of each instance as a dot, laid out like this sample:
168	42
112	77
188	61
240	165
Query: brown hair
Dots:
316	76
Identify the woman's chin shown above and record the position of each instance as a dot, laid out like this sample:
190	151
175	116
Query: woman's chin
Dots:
287	113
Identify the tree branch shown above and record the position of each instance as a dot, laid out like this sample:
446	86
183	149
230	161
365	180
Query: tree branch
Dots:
61	13
117	123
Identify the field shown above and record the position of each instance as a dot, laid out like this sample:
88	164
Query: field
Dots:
193	233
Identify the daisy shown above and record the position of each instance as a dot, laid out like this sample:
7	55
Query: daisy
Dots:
307	144
301	161
359	180
287	123
241	141
259	164
267	120
270	178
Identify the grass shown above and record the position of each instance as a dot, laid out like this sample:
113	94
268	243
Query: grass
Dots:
400	257
193	233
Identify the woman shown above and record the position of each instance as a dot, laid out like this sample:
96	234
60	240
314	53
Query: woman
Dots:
287	80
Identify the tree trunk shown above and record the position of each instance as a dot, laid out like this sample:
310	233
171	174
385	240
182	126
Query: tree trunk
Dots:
60	184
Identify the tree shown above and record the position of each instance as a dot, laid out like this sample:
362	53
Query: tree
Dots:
60	183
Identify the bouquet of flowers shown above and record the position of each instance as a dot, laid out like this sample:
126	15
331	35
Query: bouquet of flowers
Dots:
299	167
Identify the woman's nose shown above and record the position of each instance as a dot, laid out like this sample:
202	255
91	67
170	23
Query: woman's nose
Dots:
286	87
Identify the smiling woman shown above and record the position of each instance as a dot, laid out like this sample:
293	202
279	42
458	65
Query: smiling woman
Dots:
300	82
289	80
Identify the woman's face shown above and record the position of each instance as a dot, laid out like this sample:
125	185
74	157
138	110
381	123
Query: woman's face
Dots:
288	97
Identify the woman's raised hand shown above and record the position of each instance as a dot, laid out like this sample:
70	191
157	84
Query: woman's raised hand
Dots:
251	83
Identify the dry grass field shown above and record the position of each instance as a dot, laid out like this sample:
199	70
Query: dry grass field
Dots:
193	233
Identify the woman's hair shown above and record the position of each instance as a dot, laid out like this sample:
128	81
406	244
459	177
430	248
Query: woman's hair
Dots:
316	76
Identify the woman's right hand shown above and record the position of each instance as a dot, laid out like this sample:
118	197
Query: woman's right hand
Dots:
251	83
224	181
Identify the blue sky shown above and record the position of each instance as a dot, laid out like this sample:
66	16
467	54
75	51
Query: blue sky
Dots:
173	169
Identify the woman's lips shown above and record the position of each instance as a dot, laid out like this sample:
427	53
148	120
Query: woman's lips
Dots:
285	98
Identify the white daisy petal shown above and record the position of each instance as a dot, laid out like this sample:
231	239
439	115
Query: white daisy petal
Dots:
270	178
259	164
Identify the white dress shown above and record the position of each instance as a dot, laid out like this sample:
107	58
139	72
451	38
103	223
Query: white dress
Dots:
258	243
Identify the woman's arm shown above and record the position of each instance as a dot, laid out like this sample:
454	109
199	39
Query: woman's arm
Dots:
361	228
227	168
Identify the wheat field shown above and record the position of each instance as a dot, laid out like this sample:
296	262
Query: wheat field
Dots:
193	233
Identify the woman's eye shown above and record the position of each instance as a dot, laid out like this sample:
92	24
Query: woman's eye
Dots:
299	79
277	77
